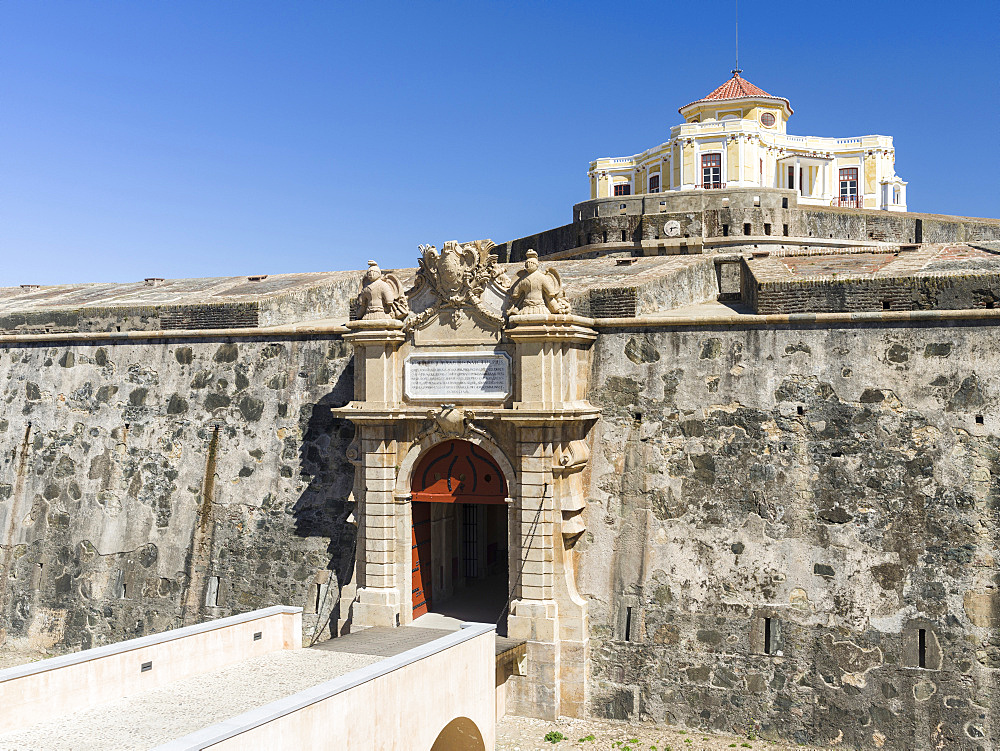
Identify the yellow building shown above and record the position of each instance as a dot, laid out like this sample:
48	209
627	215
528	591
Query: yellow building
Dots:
736	137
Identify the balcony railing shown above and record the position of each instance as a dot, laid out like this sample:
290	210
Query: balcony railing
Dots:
851	202
711	186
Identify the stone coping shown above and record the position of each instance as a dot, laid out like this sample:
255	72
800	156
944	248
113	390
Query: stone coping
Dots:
226	729
54	663
691	317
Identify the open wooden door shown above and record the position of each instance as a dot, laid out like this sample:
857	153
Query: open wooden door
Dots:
421	556
454	471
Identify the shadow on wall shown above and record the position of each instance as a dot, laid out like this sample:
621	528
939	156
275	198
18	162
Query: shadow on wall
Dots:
325	505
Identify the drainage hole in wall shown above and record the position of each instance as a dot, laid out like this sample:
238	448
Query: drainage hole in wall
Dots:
146	667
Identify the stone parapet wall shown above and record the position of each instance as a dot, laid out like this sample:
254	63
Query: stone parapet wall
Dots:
179	304
712	219
854	282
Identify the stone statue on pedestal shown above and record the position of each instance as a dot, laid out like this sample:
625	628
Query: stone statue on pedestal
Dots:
537	292
381	296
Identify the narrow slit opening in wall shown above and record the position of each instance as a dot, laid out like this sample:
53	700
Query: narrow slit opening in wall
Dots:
746	229
258	635
784	230
767	636
605	237
767	228
979	419
212	593
886	305
801	410
725	230
623	236
628	624
317	590
922	648
784	205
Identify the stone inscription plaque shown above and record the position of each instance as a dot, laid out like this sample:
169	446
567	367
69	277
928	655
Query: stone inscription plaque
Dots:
458	376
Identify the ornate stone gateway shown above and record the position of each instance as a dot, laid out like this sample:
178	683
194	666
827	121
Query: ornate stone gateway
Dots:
469	358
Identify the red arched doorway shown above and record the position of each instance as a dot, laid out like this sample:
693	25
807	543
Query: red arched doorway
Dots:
459	513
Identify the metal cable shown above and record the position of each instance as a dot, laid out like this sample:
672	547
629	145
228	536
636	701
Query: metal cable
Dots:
524	560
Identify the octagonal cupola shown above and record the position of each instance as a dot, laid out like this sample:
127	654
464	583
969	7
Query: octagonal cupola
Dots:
739	99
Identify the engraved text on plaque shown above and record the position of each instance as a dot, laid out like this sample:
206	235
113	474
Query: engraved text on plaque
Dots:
458	375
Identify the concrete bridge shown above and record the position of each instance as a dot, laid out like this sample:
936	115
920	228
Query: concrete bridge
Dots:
246	682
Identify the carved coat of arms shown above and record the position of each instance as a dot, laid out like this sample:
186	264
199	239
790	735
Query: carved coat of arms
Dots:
457	276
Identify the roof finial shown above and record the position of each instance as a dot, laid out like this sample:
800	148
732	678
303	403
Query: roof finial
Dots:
736	71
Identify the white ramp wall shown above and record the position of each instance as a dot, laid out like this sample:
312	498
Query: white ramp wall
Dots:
402	703
53	688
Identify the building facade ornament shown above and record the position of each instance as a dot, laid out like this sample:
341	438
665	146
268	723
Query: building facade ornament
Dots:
449	422
538	292
458	276
381	297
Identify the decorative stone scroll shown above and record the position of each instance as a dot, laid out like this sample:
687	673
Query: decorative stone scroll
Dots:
458	375
536	291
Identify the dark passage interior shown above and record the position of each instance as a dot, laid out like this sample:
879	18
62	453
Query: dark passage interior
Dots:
460	551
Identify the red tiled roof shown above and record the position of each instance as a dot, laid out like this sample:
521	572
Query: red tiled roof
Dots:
737	88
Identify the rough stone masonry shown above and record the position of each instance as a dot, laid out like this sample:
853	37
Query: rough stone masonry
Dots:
791	516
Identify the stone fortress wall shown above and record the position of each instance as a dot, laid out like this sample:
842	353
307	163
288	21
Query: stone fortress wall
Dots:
838	482
150	484
731	220
790	525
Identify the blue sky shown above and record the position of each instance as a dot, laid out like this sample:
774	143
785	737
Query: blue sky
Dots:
182	139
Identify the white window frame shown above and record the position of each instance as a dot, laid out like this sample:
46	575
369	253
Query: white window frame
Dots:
722	166
841	181
614	183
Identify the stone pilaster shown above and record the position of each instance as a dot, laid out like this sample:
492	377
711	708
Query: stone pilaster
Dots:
377	386
552	361
377	366
378	599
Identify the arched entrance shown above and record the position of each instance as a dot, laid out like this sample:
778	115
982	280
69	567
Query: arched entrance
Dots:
459	541
461	734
